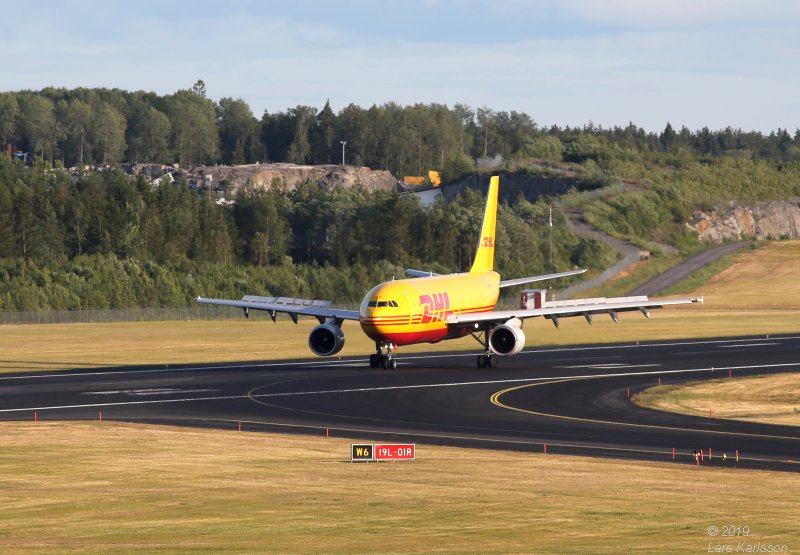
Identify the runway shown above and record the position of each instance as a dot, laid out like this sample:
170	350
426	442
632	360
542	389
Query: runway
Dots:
574	400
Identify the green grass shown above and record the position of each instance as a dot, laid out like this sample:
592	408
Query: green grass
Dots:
638	274
769	399
700	277
118	488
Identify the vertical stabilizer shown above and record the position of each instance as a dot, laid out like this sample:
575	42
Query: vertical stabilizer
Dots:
484	257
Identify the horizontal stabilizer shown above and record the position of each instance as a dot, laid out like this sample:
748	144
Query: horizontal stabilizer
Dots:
520	281
421	273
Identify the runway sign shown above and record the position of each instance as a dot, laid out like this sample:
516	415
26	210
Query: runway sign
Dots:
382	452
361	452
395	452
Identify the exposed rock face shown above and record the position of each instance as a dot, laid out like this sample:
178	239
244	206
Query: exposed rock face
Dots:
762	220
290	175
532	187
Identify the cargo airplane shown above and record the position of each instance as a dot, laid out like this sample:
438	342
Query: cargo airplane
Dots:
429	308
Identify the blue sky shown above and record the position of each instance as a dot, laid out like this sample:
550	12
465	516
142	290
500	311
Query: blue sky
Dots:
696	63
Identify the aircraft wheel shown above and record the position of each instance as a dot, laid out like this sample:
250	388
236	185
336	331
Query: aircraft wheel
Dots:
492	362
393	364
374	361
481	361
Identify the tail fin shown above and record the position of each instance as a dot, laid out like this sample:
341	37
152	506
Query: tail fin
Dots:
484	257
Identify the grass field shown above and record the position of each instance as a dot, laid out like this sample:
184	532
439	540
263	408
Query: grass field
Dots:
117	488
770	399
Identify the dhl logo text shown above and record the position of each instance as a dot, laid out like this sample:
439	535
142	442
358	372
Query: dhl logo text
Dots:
435	307
488	242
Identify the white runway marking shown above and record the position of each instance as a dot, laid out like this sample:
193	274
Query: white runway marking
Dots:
745	345
146	392
609	366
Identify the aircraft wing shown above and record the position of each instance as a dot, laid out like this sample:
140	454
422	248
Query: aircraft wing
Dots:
321	310
565	309
520	281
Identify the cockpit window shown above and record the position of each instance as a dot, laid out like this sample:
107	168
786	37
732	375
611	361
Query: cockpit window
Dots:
381	304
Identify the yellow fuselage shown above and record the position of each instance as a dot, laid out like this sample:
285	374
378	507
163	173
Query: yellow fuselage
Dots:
409	311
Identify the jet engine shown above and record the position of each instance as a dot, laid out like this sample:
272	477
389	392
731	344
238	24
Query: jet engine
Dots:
506	339
326	339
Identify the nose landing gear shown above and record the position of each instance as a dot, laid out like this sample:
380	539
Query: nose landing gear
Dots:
384	357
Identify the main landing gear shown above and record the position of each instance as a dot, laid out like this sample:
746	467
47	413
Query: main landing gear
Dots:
384	358
488	359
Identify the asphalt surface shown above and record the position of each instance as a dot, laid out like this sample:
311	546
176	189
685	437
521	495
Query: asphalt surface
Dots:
573	399
681	271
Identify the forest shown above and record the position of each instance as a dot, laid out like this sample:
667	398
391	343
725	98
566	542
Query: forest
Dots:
106	240
77	127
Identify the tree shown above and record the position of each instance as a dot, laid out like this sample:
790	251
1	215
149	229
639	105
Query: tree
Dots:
148	134
199	88
300	149
9	110
263	230
667	137
485	117
545	147
238	127
78	123
324	135
40	126
109	133
194	128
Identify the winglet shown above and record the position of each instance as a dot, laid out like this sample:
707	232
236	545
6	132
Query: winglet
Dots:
484	257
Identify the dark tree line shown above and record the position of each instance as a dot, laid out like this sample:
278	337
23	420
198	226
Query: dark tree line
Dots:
64	242
94	126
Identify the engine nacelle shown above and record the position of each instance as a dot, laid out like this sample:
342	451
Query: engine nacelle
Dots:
326	339
506	339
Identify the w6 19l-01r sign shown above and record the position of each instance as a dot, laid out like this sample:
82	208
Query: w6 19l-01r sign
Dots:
383	452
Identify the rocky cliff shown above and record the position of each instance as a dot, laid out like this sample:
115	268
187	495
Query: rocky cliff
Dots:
290	175
762	220
227	179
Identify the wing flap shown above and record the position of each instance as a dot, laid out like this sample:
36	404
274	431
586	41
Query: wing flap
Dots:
608	307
